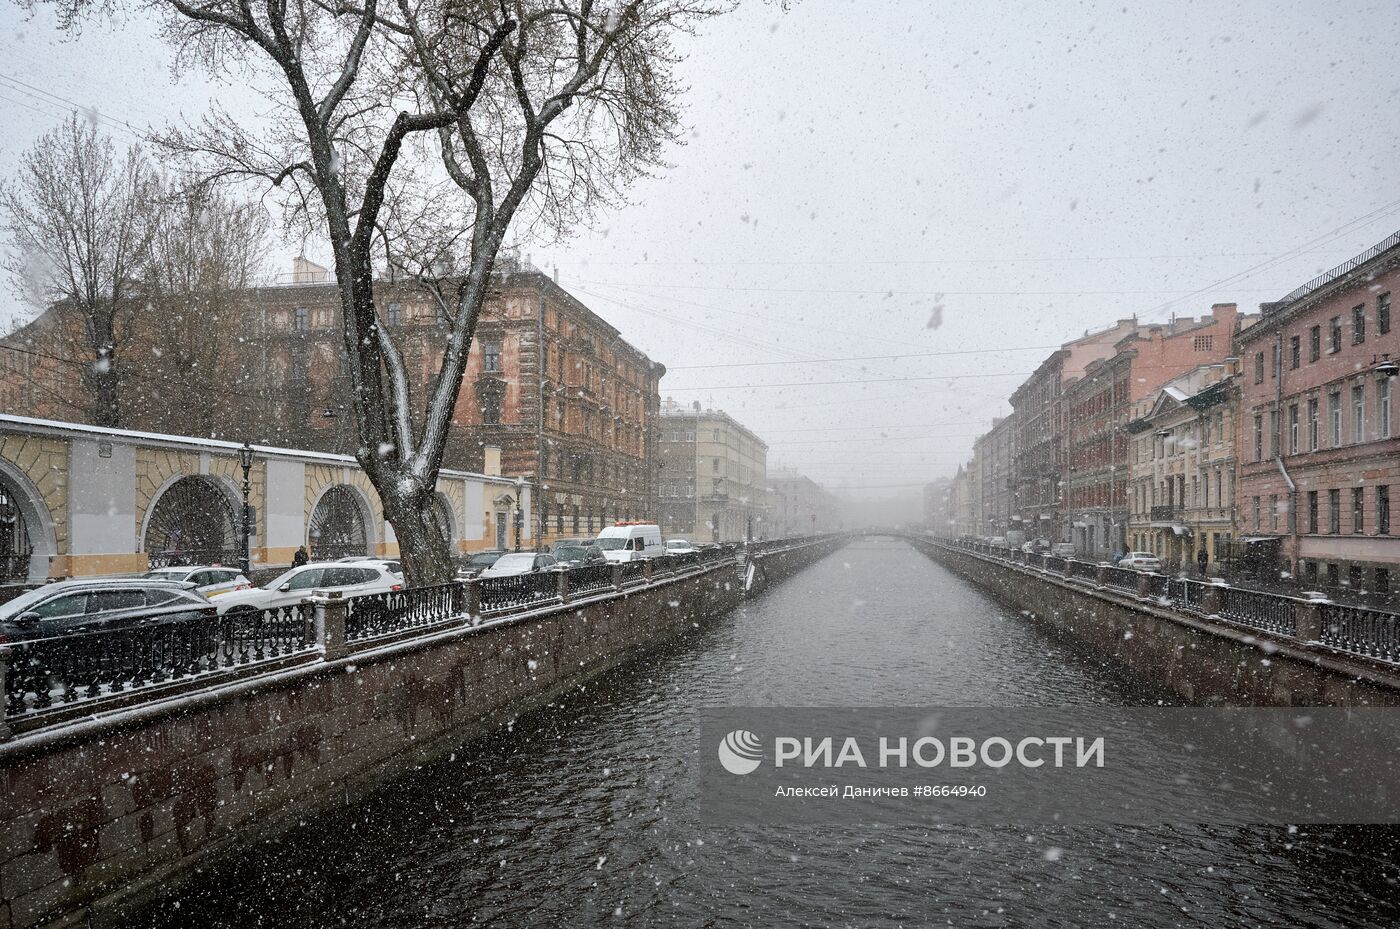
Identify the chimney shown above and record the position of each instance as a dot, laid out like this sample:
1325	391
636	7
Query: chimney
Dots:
491	460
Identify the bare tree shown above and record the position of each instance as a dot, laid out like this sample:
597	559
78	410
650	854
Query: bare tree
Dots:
410	134
188	364
78	220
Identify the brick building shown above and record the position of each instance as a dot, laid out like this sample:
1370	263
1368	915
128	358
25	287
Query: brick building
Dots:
1182	467
1320	456
569	402
1040	424
1099	404
713	476
994	457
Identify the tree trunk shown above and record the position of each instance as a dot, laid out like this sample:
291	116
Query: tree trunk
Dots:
103	378
423	549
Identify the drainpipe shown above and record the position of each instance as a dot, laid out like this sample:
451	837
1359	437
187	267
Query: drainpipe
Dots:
1278	448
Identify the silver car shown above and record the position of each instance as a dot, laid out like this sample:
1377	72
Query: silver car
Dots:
210	580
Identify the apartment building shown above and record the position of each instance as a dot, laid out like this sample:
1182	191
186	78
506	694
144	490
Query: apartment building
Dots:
713	476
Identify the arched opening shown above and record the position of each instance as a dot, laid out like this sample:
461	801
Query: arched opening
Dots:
27	538
446	524
192	522
337	528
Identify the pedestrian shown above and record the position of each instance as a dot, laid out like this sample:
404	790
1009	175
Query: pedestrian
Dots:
1203	560
300	558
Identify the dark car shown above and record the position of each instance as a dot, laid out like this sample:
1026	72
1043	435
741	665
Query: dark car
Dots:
479	562
583	553
97	604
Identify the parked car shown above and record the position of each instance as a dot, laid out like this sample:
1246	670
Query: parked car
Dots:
93	604
210	580
353	579
393	564
998	541
631	541
583	552
1141	561
1062	549
517	563
679	547
477	562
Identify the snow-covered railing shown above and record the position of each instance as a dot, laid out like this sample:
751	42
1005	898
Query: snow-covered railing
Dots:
53	680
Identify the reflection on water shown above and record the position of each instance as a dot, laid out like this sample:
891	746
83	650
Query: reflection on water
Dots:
584	813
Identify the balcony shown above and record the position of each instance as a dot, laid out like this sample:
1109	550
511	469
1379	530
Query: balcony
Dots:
1165	513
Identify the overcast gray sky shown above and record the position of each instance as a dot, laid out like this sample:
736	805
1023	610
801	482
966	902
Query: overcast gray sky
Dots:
907	179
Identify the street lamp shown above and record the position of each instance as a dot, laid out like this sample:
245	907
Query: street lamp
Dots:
245	460
519	510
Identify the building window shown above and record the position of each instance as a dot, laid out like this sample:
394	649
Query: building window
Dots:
1295	352
1293	429
1382	580
301	319
1312	512
1258	437
1356	577
1334	508
491	409
1258	367
393	314
1202	343
1335	403
1332	574
1273	512
1358	324
1358	509
491	356
715	466
1358	413
1383	509
1383	313
1314	343
1335	335
1383	409
1312	424
1256	514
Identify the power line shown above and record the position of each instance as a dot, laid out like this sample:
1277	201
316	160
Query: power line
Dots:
871	380
635	263
968	351
915	293
53	99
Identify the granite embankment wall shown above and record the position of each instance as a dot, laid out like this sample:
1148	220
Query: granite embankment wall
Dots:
1202	660
99	814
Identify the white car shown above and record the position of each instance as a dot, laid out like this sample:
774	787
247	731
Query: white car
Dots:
1141	561
516	563
679	547
210	580
351	579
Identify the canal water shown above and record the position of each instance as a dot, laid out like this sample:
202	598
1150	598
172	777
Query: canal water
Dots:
585	813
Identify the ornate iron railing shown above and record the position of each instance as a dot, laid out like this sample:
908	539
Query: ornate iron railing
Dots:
1361	631
1125	579
1055	564
44	673
521	590
1269	612
1084	571
397	610
1189	595
633	572
1159	587
1035	559
193	556
590	579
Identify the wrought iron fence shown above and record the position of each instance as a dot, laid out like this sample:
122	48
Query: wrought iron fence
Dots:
44	673
1159	587
1361	631
521	590
1056	564
1125	579
193	556
1035	559
1084	570
590	579
1189	595
633	572
1269	612
397	610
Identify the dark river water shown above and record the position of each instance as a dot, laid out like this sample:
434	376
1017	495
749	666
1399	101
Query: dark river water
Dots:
585	813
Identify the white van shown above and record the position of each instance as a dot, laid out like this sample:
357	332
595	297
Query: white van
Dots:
631	541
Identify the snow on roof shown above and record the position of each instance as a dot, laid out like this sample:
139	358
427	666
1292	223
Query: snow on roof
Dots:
32	424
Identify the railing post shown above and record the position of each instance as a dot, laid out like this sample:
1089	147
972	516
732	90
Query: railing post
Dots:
1101	576
564	586
5	654
1307	619
473	604
1144	586
330	623
646	571
617	575
1214	600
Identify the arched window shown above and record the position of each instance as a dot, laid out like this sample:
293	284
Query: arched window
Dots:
337	526
192	522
